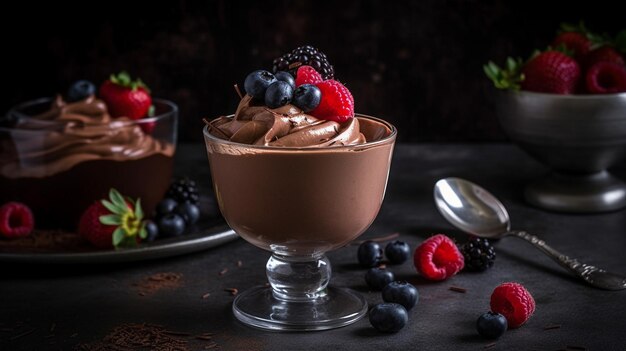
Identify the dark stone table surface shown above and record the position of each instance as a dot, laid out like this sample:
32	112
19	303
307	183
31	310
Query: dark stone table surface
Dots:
57	307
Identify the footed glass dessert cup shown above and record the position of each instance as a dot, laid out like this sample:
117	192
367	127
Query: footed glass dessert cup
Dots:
299	203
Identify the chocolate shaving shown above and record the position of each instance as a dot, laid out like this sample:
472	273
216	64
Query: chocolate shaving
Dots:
204	337
23	334
377	239
488	346
232	291
552	326
170	332
223	271
458	289
238	91
206	295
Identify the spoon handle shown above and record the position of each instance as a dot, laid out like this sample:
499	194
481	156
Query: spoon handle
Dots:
593	275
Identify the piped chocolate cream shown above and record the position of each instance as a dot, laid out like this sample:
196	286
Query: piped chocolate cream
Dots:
288	126
70	133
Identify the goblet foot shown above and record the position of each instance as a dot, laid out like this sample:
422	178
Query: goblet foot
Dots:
298	298
258	307
588	193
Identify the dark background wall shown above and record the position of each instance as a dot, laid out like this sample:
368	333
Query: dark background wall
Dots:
415	63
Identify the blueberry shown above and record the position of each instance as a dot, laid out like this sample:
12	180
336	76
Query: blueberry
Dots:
307	97
171	225
152	229
189	212
257	82
286	77
278	94
397	252
369	254
80	90
491	325
388	317
401	292
378	278
166	206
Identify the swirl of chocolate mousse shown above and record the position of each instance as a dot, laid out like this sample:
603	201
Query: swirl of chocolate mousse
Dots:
71	133
286	126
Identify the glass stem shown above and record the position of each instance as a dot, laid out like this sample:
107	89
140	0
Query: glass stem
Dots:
295	278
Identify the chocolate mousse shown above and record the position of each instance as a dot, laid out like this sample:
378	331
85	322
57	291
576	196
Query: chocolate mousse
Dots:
295	184
61	160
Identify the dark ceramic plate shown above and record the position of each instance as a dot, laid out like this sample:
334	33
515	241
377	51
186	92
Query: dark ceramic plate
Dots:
200	239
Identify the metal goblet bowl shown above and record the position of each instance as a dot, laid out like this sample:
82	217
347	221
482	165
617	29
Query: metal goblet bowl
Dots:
578	137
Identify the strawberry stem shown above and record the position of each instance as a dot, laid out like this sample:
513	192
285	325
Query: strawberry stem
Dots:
124	79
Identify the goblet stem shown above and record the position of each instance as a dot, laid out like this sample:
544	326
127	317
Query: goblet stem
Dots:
298	278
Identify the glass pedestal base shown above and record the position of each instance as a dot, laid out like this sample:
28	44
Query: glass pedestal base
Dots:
258	307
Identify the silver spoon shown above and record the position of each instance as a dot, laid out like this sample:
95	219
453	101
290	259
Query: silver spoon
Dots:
474	210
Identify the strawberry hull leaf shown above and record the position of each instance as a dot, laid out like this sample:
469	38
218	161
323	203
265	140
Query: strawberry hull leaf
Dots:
111	219
118	236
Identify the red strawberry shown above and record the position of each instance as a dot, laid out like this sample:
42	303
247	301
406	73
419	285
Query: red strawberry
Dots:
438	258
16	220
125	97
112	223
551	72
307	75
514	302
606	78
337	103
576	42
604	54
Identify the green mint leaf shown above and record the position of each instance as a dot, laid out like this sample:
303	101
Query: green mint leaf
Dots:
111	219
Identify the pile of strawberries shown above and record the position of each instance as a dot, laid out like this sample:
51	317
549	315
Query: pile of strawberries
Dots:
577	62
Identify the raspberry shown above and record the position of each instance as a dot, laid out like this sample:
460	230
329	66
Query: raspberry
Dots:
514	302
307	75
438	258
606	78
337	103
16	220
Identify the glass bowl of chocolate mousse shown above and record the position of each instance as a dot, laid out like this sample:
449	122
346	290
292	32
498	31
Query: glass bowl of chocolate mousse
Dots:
59	157
298	186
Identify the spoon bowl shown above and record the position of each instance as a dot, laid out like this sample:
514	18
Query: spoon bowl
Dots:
474	210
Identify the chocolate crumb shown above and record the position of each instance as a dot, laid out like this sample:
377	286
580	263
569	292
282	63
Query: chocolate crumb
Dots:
158	281
239	263
575	347
130	337
552	326
223	271
232	291
382	266
488	346
204	337
458	289
74	335
206	295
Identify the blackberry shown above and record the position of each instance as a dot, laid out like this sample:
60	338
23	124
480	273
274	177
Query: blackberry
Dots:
184	190
478	254
304	55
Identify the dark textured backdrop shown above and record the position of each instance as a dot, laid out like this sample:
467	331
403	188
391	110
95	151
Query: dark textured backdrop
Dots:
415	63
